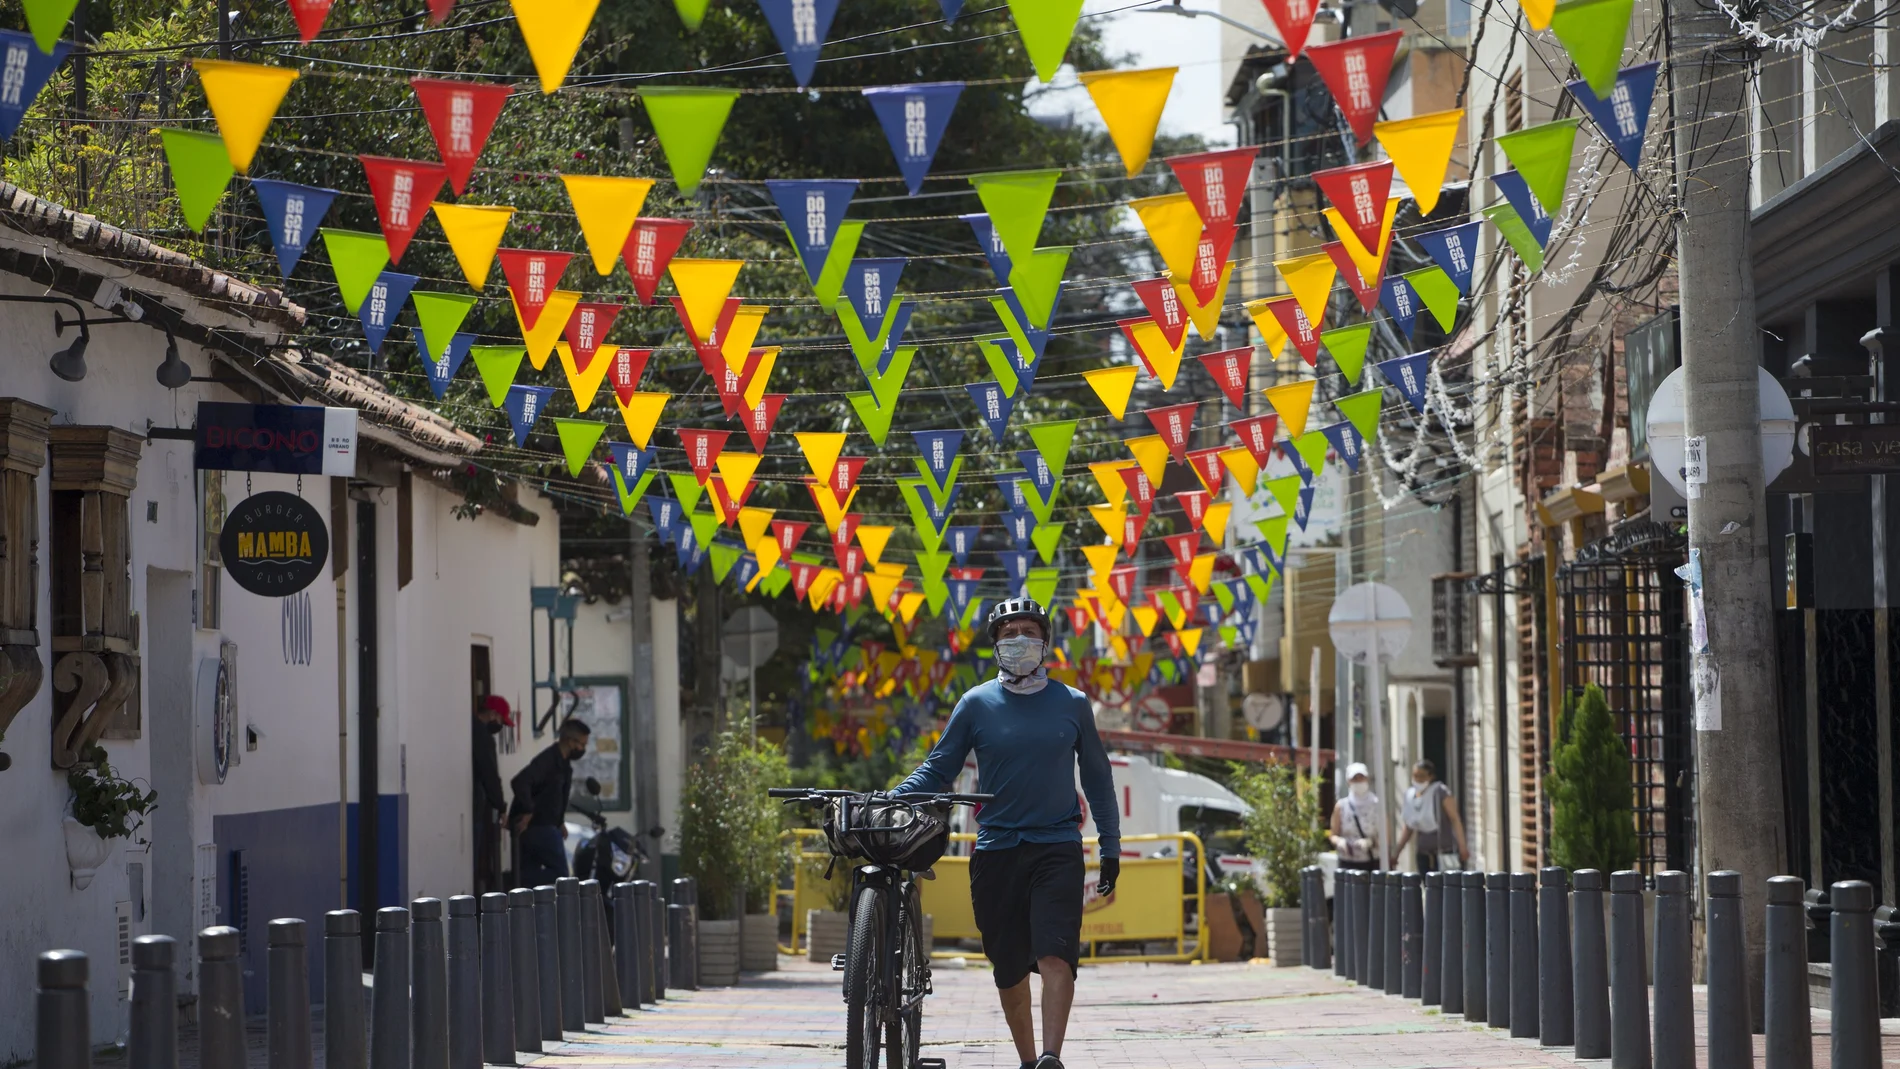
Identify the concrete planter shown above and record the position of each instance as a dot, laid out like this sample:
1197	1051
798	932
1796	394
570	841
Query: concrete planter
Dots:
85	851
1283	937
718	953
758	935
827	932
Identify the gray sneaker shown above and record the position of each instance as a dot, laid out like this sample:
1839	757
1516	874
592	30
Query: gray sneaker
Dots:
1048	1061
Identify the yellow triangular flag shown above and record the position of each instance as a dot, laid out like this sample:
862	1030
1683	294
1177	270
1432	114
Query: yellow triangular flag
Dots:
1272	334
1113	385
1214	521
1151	452
873	540
244	99
1131	103
1311	280
1240	463
547	329
1420	150
755	389
605	206
641	413
1177	615
553	30
1291	401
882	587
1110	517
1163	359
1174	225
908	605
474	232
586	384
736	470
740	334
753	523
1201	572
1145	618
828	506
821	452
703	287
1191	640
821	587
1116	612
1108	476
766	550
1101	559
1537	13
1205	317
1370	262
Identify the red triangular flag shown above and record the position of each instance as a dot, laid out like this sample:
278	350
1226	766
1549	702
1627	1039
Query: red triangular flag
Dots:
844	478
850	559
727	506
461	115
629	365
1293	320
787	534
1294	18
1174	423
1122	581
759	420
710	357
587	327
532	277
1355	69
1256	434
1209	258
1128	331
1182	546
1367	290
1214	181
309	15
1194	503
1140	493
649	248
1131	533
1163	303
731	382
439	10
1359	192
1186	595
845	534
403	191
702	450
802	575
1229	369
1206	463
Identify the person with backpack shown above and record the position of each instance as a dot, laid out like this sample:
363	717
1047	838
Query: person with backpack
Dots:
1429	812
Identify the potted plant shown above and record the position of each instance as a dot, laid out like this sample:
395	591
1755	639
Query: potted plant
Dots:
1591	826
729	846
104	807
1283	835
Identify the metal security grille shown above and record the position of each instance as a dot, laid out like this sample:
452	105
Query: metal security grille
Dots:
1624	630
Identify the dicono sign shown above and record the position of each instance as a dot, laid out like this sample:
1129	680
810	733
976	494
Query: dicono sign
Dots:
274	543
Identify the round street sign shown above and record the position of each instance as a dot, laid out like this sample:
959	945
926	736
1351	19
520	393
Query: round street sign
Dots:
1369	617
750	637
1264	712
274	543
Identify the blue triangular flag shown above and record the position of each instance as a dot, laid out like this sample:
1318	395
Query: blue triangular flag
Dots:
993	405
631	460
961	590
386	297
524	405
1038	337
1211	610
801	27
292	212
1527	207
914	117
1400	302
1243	597
962	540
1015	499
938	509
747	568
442	369
871	286
813	210
939	451
1346	442
992	245
666	515
951	9
1040	476
1408	374
1304	509
900	322
686	549
1625	116
1247	628
1019	523
1455	250
1299	462
26	72
1016	563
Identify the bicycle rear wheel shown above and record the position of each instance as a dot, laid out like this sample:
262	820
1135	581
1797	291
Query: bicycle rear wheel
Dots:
863	985
904	1035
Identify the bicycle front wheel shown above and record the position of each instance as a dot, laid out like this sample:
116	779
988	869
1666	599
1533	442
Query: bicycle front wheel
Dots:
863	979
904	1038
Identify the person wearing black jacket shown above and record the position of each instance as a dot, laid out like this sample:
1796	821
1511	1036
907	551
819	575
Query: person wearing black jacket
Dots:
491	715
539	815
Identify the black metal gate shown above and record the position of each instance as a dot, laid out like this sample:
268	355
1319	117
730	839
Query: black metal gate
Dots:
1624	629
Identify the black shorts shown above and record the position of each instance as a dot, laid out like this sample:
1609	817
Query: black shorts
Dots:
1028	905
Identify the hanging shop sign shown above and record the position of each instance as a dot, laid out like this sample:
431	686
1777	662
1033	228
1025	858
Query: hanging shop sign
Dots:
1855	449
285	439
274	543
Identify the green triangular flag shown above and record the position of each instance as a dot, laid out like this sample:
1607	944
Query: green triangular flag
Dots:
1523	242
844	249
1439	293
1017	332
1038	507
1081	645
692	12
1229	635
705	526
1273	529
357	259
48	19
936	595
1225	595
441	315
1041	585
497	365
1541	155
1260	585
969	620
1312	447
1362	410
775	584
578	439
1167	670
723	558
1036	281
913	491
1052	441
1046	27
1017	201
1347	346
687	120
1286	490
932	564
867	349
686	489
877	421
887	386
1047	537
629	499
1593	31
201	169
938	490
1169	603
1000	365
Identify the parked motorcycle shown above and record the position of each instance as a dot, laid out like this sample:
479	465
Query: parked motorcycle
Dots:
610	855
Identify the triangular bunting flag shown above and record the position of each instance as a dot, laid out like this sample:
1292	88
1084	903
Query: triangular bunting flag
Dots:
497	365
1292	400
1355	70
1112	386
1130	103
801	27
606	207
474	232
1311	280
1362	409
1173	424
552	30
201	169
1522	241
524	405
1396	296
1017	202
1347	346
649	252
386	297
243	97
1421	148
1408	374
1359	191
1541	153
461	115
403	191
356	259
641	413
1229	370
704	286
914	118
1046	27
578	439
992	405
813	211
1151	455
1455	250
292	212
532	278
1439	293
687	120
1593	32
1623	115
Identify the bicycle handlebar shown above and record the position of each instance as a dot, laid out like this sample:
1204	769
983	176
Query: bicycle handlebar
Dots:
814	794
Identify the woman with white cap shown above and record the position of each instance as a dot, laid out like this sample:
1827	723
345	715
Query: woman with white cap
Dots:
1357	818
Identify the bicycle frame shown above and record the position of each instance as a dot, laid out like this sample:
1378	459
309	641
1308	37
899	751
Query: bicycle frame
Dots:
900	886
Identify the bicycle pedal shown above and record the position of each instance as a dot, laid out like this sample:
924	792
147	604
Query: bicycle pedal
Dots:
837	963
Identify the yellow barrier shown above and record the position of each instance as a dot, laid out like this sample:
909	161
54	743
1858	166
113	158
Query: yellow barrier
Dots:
1148	904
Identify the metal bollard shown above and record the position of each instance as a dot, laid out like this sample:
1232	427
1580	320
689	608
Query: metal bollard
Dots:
1589	968
465	983
389	1039
1629	985
1306	915
1346	912
1725	969
1374	949
1853	992
1432	938
627	950
654	923
1672	1010
497	980
609	968
570	977
220	1000
547	946
1322	924
1451	943
153	1039
1790	1043
1497	949
1412	935
343	1032
1477	1004
686	892
428	986
287	960
593	1000
1522	903
1556	1011
1394	973
526	981
63	1034
676	943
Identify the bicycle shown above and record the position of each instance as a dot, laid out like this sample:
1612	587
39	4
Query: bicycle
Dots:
886	966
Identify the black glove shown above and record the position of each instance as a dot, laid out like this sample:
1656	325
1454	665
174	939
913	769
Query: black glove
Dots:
1105	880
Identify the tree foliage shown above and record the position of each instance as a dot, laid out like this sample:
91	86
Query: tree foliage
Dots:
1591	825
729	826
1283	830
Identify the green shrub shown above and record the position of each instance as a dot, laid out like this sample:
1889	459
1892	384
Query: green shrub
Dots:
729	827
1283	831
1591	826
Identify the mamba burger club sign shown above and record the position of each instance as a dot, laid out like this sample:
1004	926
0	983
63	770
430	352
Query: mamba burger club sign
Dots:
274	543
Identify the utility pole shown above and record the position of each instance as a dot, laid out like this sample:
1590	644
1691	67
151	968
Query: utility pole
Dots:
646	731
1739	819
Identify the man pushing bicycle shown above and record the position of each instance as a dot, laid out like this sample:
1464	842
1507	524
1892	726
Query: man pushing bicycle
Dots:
1026	877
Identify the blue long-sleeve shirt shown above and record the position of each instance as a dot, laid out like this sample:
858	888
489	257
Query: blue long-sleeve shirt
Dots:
1026	747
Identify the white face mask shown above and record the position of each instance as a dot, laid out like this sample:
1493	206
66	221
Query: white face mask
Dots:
1020	655
1360	790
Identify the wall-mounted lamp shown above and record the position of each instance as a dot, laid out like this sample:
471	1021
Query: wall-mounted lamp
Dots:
70	363
174	372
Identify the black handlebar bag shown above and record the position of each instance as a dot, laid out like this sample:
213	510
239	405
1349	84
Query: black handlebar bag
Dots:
906	835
